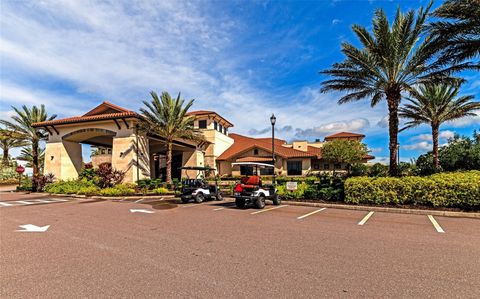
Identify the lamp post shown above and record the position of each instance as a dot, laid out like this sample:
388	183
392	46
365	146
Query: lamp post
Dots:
273	119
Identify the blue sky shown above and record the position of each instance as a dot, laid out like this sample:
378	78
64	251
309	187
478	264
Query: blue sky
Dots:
242	59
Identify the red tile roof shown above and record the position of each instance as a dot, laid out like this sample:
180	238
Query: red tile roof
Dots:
79	119
95	114
242	144
254	159
106	106
344	135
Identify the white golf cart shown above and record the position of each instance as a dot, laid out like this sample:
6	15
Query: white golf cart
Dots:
251	190
198	189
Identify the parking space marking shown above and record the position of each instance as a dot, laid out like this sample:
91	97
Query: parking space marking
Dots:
192	205
269	209
17	203
311	213
25	202
435	224
364	220
43	200
218	209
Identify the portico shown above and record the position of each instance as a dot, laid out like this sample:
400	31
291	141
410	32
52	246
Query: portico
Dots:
114	130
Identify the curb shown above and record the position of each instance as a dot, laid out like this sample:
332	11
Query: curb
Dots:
385	209
153	197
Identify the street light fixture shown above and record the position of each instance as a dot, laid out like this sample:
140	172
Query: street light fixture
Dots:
273	119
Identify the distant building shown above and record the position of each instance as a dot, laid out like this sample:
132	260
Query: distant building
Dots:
111	131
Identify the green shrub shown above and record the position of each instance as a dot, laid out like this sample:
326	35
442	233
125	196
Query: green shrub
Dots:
92	190
68	187
118	190
460	189
161	190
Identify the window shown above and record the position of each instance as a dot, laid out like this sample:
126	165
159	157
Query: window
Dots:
225	131
215	125
202	124
338	166
246	170
326	166
294	167
255	152
266	171
220	128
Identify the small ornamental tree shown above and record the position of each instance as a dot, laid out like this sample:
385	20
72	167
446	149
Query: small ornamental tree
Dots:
344	151
108	176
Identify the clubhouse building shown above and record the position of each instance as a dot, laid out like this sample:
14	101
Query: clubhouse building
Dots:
111	131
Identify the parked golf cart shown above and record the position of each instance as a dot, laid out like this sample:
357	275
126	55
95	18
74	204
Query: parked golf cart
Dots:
251	190
198	188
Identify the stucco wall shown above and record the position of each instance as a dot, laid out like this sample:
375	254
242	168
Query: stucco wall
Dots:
63	159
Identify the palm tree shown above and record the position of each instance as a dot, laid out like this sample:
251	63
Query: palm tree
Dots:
458	30
26	155
22	124
435	104
168	118
9	140
390	62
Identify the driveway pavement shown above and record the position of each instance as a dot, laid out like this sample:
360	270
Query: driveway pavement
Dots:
125	249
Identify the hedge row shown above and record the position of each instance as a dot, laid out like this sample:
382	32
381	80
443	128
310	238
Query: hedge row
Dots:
456	189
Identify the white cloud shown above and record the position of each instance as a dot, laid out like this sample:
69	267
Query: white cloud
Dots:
446	134
422	146
336	21
109	51
383	122
354	125
376	150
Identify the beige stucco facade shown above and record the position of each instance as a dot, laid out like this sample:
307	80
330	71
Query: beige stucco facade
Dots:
111	129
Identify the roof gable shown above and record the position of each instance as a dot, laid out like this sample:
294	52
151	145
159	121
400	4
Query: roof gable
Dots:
106	108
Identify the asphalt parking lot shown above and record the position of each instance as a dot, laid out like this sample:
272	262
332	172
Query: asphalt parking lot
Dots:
126	249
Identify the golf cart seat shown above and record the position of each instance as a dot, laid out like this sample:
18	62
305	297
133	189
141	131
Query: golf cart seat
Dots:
251	182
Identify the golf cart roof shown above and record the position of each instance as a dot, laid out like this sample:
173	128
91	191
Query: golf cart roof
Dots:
196	168
253	164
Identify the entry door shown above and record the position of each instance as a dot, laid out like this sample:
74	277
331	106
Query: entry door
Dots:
176	164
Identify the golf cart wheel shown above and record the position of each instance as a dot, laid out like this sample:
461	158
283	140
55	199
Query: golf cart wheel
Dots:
260	202
240	203
199	198
277	200
219	197
185	200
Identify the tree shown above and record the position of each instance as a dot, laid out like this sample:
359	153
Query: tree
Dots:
168	118
9	140
461	153
344	151
391	62
22	124
458	30
435	104
26	155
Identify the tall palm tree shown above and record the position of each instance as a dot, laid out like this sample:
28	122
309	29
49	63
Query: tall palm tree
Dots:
26	155
458	30
435	104
388	64
168	118
8	140
22	124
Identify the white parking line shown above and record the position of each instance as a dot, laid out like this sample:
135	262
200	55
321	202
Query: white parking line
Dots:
25	202
311	213
435	224
218	209
192	205
362	222
266	210
4	204
43	200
